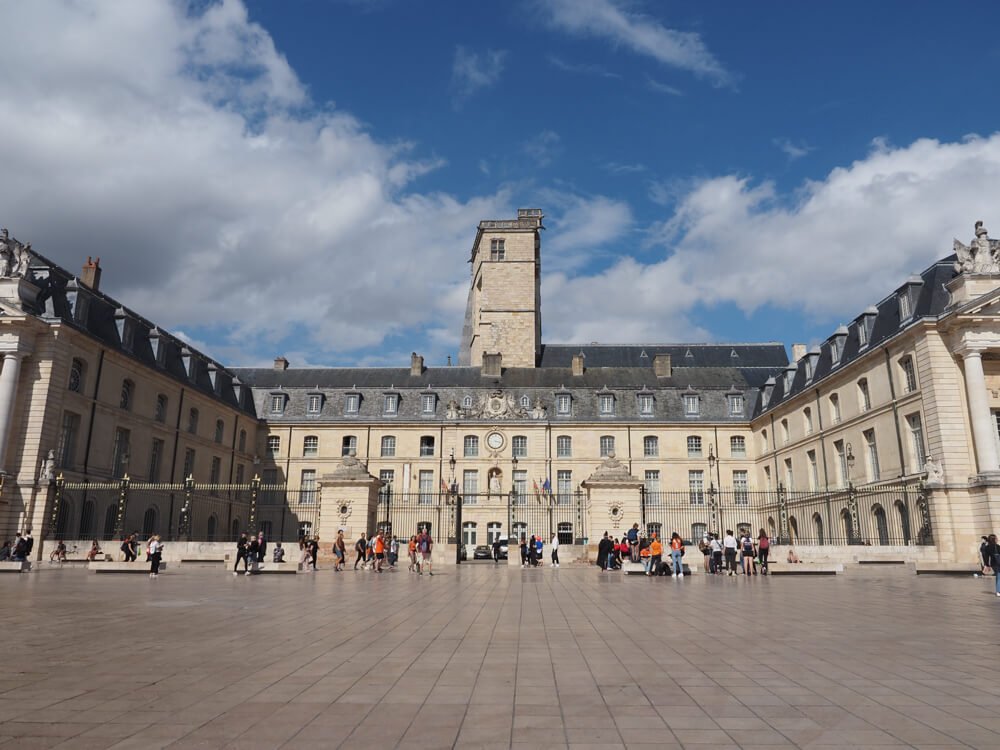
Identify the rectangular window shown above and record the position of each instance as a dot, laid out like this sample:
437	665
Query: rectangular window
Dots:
835	408
563	402
119	460
767	477
349	445
189	457
842	471
239	473
736	405
273	445
564	486
520	482
564	446
470	482
691	405
314	403
862	333
646	405
873	467
155	459
738	446
498	250
607	404
310	446
351	403
161	409
784	432
864	396
917	440
519	446
807	417
470	446
387	477
813	470
277	404
388	449
67	439
469	534
216	472
390	404
904	306
308	486
650	446
741	487
425	486
426	446
607	445
696	487
651	481
694	446
789	476
428	401
909	375
269	493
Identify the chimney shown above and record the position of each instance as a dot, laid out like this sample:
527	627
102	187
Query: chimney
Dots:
416	365
280	363
91	275
578	364
798	352
492	367
661	365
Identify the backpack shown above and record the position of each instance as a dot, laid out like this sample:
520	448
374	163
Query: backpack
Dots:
764	542
747	545
423	544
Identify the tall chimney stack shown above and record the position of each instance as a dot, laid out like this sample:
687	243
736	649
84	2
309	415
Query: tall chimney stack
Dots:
578	364
416	365
280	363
91	275
798	352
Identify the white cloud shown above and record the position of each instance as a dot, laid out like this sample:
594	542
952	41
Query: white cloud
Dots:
584	68
643	35
827	249
663	88
615	167
793	150
581	228
543	147
471	71
178	145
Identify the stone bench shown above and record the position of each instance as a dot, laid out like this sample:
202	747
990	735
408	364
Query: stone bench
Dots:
805	569
947	568
631	568
122	567
204	559
15	566
881	562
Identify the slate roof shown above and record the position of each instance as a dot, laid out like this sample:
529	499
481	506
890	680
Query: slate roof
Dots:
769	355
60	296
930	301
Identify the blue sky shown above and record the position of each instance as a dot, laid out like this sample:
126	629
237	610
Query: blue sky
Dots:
305	178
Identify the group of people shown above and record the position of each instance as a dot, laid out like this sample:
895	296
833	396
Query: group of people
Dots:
721	555
532	551
250	550
19	550
380	551
639	548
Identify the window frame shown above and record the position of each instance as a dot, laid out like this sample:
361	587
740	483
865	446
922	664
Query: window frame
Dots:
387	446
650	446
562	440
692	405
606	445
310	446
695	446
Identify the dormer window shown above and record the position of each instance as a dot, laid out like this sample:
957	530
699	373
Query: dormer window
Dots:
390	404
467	402
498	251
277	403
865	324
352	403
525	402
314	403
789	379
692	405
735	404
428	403
158	346
606	404
564	404
646	404
126	329
807	365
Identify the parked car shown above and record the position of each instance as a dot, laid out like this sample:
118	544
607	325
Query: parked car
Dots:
482	552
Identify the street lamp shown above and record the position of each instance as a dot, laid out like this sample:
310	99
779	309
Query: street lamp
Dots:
451	465
513	486
852	498
713	507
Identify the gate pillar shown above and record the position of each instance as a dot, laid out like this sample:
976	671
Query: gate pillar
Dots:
348	501
614	501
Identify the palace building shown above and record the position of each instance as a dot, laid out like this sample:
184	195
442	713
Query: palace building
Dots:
882	442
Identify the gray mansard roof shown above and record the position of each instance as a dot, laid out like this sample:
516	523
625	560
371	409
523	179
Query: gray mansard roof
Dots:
742	374
927	297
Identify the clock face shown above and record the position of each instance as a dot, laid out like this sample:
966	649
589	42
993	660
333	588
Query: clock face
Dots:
495	440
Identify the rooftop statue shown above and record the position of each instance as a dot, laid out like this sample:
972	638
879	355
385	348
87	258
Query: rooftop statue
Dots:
981	255
14	256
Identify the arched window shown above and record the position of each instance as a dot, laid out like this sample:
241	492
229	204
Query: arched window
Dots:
128	391
818	528
149	522
467	402
193	421
87	519
607	444
220	430
494	531
847	525
525	402
235	530
904	521
305	530
654	528
881	524
520	531
76	370
213	524
63	519
349	446
469	533
565	532
771	529
793	530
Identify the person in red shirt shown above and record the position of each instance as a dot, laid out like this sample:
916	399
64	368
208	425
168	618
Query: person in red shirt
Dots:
676	552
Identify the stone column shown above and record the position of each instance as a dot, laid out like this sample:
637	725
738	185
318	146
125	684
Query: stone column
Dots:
348	501
983	429
8	391
614	501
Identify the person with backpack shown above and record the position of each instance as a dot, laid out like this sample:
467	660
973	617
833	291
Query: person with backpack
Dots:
729	545
715	566
633	542
763	548
747	548
424	547
676	553
361	548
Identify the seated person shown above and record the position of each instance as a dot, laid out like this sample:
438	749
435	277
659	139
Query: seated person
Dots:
20	551
59	553
792	557
95	550
5	551
279	553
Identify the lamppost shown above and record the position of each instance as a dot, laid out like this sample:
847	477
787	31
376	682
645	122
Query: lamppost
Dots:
852	498
513	480
713	505
454	481
782	511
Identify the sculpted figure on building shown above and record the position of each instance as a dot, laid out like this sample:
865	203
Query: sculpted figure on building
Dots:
981	255
14	256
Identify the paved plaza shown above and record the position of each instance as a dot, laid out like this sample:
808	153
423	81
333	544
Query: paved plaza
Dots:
479	657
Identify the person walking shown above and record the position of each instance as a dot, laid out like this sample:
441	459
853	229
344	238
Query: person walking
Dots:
555	550
361	548
411	549
715	566
496	551
655	555
604	552
524	552
676	553
991	553
261	549
303	555
253	553
379	546
425	547
241	554
763	548
393	551
129	548
729	545
155	553
313	552
339	551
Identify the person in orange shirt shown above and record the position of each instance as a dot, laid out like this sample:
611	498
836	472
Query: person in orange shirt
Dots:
655	556
676	552
411	548
379	552
645	556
